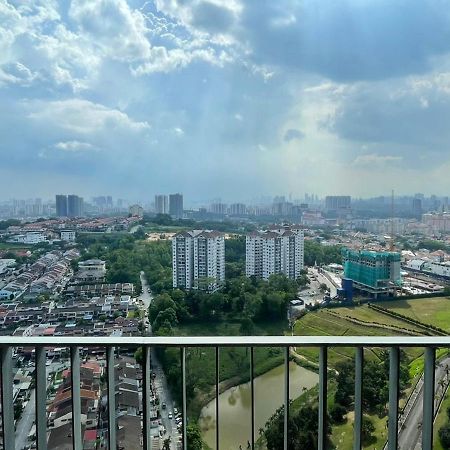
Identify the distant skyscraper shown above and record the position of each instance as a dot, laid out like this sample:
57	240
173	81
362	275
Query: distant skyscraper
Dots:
417	207
337	203
176	205
74	206
61	205
161	204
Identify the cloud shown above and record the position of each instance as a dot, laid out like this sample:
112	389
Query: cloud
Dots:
74	146
371	160
292	134
407	112
82	116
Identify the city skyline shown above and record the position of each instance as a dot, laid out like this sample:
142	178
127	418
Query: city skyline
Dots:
198	96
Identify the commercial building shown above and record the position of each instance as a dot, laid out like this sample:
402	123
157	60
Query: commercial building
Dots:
161	204
279	250
68	235
91	270
198	260
61	205
176	205
74	206
376	273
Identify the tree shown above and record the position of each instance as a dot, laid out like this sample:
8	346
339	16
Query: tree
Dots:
337	413
194	437
166	444
444	436
367	428
247	327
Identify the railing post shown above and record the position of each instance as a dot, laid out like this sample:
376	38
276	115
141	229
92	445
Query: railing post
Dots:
394	363
252	396
7	399
146	392
76	397
323	382
217	398
359	361
41	398
428	398
111	386
286	400
183	396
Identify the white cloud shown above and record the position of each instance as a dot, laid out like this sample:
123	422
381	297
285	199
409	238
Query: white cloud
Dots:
75	146
82	116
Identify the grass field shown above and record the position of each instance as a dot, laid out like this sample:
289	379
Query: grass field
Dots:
433	311
325	323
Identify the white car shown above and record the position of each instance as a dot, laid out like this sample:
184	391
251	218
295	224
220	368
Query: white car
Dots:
170	415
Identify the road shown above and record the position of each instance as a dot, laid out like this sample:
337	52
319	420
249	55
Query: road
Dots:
25	423
160	382
410	434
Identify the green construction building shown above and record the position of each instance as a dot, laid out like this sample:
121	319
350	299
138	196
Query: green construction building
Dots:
376	273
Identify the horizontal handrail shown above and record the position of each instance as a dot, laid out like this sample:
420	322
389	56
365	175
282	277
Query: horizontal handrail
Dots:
228	341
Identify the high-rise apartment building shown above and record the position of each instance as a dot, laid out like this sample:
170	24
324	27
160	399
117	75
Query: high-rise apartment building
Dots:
198	260
161	204
176	205
279	250
74	206
61	205
372	272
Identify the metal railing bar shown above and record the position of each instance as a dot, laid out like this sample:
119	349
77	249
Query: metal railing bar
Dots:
217	398
7	398
323	384
183	397
146	396
428	399
286	400
229	341
252	395
359	362
394	388
111	389
76	397
41	399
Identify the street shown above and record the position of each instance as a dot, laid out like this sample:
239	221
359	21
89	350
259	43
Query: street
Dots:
410	424
160	382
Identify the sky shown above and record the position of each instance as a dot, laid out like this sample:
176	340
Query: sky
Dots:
230	99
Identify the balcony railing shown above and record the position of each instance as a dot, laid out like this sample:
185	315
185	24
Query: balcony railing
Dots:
430	344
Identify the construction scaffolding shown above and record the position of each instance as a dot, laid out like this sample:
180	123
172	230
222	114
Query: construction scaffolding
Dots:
376	271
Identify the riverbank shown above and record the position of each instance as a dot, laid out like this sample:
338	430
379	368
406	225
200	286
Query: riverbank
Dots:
235	405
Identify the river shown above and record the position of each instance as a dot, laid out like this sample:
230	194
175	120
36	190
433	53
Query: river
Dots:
235	406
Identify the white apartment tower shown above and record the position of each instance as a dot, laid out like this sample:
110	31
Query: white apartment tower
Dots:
278	250
198	260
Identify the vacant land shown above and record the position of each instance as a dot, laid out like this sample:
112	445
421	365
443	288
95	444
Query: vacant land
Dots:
433	311
335	322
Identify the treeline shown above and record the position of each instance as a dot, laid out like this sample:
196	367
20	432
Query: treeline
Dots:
433	245
303	428
4	224
316	253
303	423
245	299
224	226
126	256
